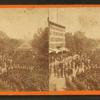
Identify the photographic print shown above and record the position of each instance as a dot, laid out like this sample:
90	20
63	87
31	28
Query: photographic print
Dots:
50	49
74	49
23	50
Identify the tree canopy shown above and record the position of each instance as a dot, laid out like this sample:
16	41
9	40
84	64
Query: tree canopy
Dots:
78	42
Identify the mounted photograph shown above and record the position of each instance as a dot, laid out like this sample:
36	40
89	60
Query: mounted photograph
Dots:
49	49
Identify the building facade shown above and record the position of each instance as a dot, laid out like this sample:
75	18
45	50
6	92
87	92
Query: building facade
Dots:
56	36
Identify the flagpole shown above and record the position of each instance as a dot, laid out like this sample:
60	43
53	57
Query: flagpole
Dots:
57	15
48	14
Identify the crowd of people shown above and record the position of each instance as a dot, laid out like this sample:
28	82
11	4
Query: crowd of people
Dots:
69	65
16	76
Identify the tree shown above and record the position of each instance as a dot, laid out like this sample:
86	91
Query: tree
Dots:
40	41
69	40
40	45
79	42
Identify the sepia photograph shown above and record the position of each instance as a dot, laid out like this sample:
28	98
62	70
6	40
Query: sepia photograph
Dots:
49	49
74	48
24	60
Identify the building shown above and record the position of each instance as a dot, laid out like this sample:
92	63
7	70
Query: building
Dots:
56	36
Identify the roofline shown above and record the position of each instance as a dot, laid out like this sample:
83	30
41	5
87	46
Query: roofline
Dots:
56	24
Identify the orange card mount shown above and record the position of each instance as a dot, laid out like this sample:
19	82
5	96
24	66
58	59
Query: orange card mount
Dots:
69	92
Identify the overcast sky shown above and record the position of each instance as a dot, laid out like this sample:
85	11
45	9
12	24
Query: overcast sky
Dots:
23	23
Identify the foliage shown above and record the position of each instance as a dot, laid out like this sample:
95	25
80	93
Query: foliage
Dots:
40	45
78	42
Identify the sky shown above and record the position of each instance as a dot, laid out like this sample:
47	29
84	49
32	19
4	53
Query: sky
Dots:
22	23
